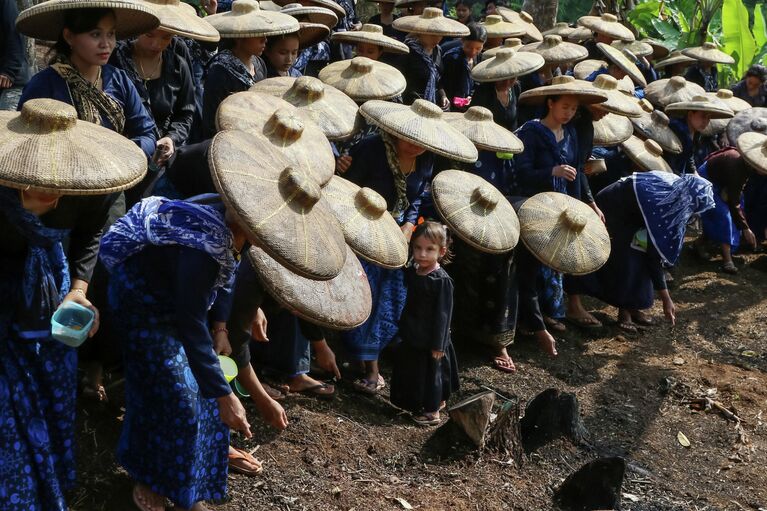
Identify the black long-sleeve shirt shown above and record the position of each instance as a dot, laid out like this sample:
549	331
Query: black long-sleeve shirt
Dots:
12	55
428	312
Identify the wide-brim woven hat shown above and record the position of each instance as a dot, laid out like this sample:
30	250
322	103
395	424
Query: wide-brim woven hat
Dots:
653	124
585	68
497	28
753	146
46	20
311	14
659	49
611	130
371	34
580	35
608	25
431	22
676	57
523	20
562	29
638	48
662	93
617	101
310	34
247	19
564	233
564	86
326	4
181	19
753	119
402	4
710	53
327	107
512	43
363	79
506	64
646	154
341	303
303	142
555	51
422	124
369	229
476	211
268	5
717	126
624	60
478	126
278	204
712	106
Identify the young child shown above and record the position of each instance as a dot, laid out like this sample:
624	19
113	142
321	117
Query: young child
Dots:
425	371
458	63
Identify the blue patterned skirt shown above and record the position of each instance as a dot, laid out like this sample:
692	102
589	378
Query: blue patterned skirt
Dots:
38	384
550	292
172	439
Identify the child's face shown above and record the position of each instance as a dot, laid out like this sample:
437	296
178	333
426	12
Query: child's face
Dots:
472	48
282	53
426	253
462	12
371	51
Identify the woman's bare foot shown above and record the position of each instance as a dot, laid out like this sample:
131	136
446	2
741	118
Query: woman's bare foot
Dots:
307	384
147	500
503	362
625	322
641	318
547	342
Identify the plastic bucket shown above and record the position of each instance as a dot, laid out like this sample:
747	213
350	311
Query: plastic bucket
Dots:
71	323
228	367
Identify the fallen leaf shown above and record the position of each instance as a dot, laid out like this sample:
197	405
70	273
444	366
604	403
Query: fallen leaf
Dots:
749	353
683	439
631	497
404	503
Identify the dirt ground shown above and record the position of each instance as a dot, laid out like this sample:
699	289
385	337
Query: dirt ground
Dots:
360	453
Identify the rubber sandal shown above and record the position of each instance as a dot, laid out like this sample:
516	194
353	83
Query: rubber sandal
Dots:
274	392
642	319
240	455
137	501
584	322
504	369
554	325
628	327
368	387
426	420
729	268
316	391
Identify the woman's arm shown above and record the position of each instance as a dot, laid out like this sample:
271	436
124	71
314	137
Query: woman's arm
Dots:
183	110
139	125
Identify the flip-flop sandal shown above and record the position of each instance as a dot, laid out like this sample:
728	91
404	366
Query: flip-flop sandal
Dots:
504	369
240	455
425	420
729	268
588	323
273	392
643	320
554	325
137	501
628	327
316	391
367	387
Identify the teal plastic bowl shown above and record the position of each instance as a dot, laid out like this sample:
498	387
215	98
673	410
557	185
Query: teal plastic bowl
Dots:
71	323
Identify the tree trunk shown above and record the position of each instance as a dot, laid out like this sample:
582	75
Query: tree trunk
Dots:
544	12
505	436
472	415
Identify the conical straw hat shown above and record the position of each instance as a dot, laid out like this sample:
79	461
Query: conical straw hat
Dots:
497	28
512	43
46	20
580	35
712	106
753	146
329	108
564	233
311	14
647	154
325	4
371	34
638	48
431	22
310	34
617	102
180	18
717	126
507	64
268	5
555	51
659	49
341	303
585	68
608	25
710	53
676	57
662	93
476	211
478	126
611	130
47	149
626	85
247	19
278	204
562	29
522	20
564	86
653	124
369	229
421	124
753	119
302	141
362	79
624	60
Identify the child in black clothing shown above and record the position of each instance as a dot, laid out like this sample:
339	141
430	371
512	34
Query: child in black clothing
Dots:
425	371
457	64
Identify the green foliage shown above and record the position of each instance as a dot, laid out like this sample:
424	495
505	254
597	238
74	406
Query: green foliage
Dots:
760	28
571	10
737	38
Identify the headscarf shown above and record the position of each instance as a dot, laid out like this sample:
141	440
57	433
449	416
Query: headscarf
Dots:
667	202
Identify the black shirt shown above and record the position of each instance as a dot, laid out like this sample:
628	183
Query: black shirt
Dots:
425	320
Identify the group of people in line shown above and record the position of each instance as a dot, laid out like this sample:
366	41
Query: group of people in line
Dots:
253	180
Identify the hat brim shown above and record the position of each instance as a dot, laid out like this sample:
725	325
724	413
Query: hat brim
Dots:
611	29
382	82
752	146
388	44
441	26
495	70
635	149
585	95
485	135
310	34
619	59
753	119
563	52
312	14
182	20
709	56
662	134
612	130
714	111
260	23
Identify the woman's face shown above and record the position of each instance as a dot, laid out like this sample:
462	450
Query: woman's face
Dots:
33	200
490	9
93	48
371	51
472	48
698	120
504	85
408	150
563	109
462	12
282	53
154	42
252	45
752	82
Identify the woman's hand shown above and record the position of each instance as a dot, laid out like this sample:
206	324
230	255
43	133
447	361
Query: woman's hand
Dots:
748	237
669	309
407	230
564	171
221	343
258	326
77	295
210	6
598	211
165	149
233	414
326	359
343	163
437	355
273	413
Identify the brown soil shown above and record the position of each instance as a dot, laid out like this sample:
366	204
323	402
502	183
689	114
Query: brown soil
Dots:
360	453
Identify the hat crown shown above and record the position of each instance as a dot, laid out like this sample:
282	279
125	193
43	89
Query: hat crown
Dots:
310	88
606	82
505	54
485	196
361	65
653	147
677	82
700	99
371	28
49	115
645	105
573	220
512	42
426	109
562	80
298	186
478	114
285	125
493	19
551	41
164	2
610	18
526	17
370	201
724	94
245	6
294	5
759	125
659	118
431	13
709	46
562	24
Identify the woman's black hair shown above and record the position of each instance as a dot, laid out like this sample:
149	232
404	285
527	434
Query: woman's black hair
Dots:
477	33
757	71
79	21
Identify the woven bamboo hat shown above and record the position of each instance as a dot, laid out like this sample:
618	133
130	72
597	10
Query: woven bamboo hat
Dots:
311	14
268	5
753	119
611	130
362	79
341	303
653	124
580	35
562	29
564	86
477	125
608	25
626	85
325	4
327	107
369	229
646	154
512	43
753	146
181	19
712	106
564	233
507	64
624	60
717	126
46	20
662	93
476	211
585	68
431	22
710	53
659	49
278	204
310	34
676	57
522	20
47	149
371	34
302	141
555	51
422	124
247	19
638	48
617	102
497	28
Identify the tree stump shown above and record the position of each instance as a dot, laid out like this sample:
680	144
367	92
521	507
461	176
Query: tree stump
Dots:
551	415
472	415
505	436
596	485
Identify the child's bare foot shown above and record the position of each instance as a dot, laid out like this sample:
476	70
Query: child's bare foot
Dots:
147	500
547	342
